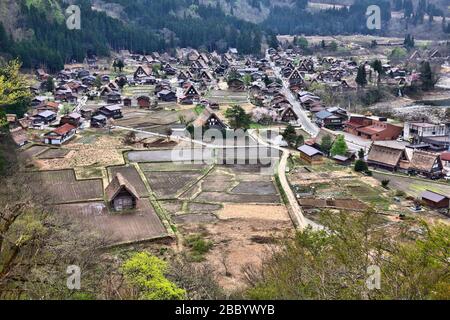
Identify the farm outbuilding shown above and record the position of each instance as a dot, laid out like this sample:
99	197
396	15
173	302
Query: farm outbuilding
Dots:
435	200
121	195
310	155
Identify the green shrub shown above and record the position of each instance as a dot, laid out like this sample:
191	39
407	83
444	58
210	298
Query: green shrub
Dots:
361	166
400	193
197	246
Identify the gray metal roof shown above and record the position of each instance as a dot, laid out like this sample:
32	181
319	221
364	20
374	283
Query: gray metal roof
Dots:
433	196
46	114
310	151
323	114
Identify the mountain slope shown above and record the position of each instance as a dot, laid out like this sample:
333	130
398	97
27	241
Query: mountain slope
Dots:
40	36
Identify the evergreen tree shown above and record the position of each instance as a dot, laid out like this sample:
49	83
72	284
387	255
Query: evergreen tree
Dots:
326	144
378	67
426	76
290	136
361	77
98	82
361	154
50	84
120	65
237	117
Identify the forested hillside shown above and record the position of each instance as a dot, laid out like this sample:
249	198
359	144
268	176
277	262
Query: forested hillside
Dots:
40	36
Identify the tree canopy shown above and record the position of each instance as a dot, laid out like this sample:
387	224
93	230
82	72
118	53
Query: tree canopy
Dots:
145	273
335	265
339	146
237	117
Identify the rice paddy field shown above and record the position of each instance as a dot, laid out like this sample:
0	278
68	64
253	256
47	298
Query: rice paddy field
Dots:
63	187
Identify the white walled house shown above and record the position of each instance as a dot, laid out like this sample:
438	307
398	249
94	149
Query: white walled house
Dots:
60	134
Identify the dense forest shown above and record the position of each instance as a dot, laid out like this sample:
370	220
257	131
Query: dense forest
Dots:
326	22
157	25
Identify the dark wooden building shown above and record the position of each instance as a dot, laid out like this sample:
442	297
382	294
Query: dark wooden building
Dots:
310	155
435	200
112	111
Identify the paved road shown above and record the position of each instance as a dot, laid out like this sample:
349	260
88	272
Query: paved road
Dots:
81	104
354	143
295	211
310	127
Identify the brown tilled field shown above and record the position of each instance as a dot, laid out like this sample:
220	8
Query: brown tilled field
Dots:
142	224
170	184
63	187
53	153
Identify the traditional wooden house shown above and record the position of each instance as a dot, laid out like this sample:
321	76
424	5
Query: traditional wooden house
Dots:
426	164
98	121
36	101
185	75
209	120
143	102
113	97
120	194
167	96
142	72
169	70
343	160
331	118
191	92
288	115
206	76
112	111
44	117
60	134
48	105
295	78
385	156
127	102
72	118
19	136
236	85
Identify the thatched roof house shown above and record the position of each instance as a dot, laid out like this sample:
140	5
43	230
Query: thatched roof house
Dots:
385	156
120	194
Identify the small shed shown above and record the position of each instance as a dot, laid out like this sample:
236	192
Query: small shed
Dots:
342	160
435	200
127	102
310	155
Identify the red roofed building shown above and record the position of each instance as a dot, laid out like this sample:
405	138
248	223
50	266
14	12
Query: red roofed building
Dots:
445	158
371	129
60	134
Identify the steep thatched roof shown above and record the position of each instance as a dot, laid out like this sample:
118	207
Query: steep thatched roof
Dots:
385	155
423	161
204	118
117	184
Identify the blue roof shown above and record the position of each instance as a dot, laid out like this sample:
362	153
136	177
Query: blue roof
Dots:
323	114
